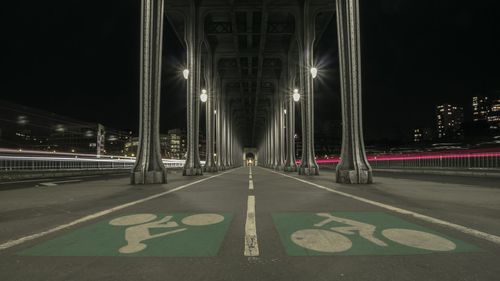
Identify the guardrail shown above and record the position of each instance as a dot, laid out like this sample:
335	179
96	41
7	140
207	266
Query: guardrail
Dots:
457	160
14	163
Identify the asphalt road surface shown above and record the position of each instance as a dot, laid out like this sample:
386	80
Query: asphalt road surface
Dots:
250	224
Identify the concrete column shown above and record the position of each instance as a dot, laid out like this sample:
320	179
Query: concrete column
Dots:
278	111
223	138
210	165
218	129
193	165
229	138
149	168
353	167
282	129
268	142
308	165
273	135
290	165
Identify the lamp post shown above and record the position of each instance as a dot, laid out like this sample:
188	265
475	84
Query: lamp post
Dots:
204	96
296	95
291	165
314	72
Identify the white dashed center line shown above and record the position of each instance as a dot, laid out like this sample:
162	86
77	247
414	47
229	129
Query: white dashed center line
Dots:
251	244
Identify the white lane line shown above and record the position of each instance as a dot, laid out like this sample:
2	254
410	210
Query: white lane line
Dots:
250	184
55	183
23	181
85	177
21	240
251	245
470	231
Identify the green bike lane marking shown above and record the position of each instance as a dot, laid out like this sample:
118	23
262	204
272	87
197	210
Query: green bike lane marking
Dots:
142	235
360	233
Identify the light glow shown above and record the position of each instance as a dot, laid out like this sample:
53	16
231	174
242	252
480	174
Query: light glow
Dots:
296	95
204	96
186	74
314	72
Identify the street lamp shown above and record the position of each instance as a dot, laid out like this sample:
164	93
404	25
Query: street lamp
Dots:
204	96
186	74
314	72
296	95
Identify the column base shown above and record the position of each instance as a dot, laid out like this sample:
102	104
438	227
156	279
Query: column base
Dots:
354	176
278	168
192	172
210	169
153	177
309	171
290	169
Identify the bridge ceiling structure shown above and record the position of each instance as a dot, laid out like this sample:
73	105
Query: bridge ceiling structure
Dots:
251	41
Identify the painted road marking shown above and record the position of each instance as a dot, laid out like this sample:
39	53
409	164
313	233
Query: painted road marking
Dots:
470	231
360	233
56	183
23	181
21	240
251	244
250	184
145	235
86	177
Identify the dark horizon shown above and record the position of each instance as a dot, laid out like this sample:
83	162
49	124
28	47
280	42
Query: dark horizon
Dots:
72	58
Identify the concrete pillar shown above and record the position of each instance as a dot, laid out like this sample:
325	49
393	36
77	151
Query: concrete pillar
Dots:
290	165
210	165
268	141
230	139
281	127
223	130
193	33
308	165
273	135
149	168
218	128
353	167
278	111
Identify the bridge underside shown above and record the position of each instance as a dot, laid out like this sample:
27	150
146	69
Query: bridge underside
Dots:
255	62
254	45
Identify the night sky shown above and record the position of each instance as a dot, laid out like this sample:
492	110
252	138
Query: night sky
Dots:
79	58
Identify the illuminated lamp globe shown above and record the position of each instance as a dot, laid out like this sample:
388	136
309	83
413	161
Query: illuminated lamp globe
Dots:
296	95
204	96
186	74
314	72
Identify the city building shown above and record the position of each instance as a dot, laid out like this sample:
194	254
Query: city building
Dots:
481	107
422	135
27	128
176	144
494	116
450	120
494	112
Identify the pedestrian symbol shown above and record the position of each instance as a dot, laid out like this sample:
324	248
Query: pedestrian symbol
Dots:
142	235
360	233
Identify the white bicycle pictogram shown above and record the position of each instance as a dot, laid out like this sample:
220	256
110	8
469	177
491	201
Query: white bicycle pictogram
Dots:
139	227
335	239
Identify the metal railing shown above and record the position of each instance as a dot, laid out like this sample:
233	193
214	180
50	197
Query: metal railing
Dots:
459	160
14	163
450	162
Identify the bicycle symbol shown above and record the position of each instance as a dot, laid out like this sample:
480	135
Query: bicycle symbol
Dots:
335	239
141	224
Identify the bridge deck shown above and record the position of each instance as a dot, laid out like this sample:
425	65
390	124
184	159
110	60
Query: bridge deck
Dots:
306	229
